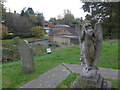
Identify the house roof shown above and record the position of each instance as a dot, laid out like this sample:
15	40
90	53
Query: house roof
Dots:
70	30
47	28
54	32
61	26
69	36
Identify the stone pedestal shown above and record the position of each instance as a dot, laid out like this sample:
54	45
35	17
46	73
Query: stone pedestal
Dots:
95	82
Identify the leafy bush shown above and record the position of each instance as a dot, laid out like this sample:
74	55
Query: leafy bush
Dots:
56	44
39	49
38	31
26	35
4	30
21	35
10	53
10	36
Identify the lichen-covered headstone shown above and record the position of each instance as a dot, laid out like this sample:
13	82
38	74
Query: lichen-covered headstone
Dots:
16	40
26	57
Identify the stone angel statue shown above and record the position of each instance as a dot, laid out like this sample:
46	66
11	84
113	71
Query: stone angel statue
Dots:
90	45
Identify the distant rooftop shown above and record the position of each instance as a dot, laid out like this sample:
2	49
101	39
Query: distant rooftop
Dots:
47	28
61	26
69	36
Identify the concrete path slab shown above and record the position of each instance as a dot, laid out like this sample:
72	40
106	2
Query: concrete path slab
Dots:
56	75
44	42
49	79
105	72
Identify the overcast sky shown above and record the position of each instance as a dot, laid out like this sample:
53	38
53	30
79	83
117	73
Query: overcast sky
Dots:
49	8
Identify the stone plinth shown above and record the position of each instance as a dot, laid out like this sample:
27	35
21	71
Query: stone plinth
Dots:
96	82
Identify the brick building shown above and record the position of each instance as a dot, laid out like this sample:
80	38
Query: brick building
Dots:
66	36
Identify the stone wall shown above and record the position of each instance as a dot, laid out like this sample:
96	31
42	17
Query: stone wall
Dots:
51	38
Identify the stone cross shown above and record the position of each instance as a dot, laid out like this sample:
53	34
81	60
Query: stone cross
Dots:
26	57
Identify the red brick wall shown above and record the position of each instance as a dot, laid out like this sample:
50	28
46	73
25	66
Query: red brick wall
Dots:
51	38
63	32
58	28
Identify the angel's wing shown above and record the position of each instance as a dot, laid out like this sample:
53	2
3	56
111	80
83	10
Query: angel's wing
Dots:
98	41
98	32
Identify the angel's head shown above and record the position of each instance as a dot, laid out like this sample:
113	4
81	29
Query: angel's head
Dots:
88	25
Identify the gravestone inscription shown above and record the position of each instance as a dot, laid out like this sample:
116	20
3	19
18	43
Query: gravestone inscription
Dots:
26	57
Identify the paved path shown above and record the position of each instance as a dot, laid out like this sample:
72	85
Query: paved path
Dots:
56	75
49	79
44	42
106	73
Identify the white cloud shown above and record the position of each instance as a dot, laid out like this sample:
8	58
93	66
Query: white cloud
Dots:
50	8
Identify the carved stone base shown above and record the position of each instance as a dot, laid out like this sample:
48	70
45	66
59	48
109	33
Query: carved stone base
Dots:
95	82
107	85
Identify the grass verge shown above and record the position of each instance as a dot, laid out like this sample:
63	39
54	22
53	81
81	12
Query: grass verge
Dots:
115	83
67	82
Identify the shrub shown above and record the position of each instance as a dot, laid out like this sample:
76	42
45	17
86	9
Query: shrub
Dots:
26	35
56	44
4	31
4	44
10	36
10	53
38	32
39	49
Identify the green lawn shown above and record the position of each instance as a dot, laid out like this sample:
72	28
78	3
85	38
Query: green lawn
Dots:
109	55
0	76
14	78
68	81
9	41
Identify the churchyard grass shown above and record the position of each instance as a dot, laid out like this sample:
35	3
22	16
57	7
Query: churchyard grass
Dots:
8	41
14	78
115	83
109	55
0	76
67	82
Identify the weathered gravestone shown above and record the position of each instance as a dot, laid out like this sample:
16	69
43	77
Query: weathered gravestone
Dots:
90	44
26	57
16	40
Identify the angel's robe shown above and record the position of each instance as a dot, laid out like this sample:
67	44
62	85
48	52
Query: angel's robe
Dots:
90	44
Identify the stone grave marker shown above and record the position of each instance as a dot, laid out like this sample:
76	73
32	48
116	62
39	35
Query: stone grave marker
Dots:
16	40
26	57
